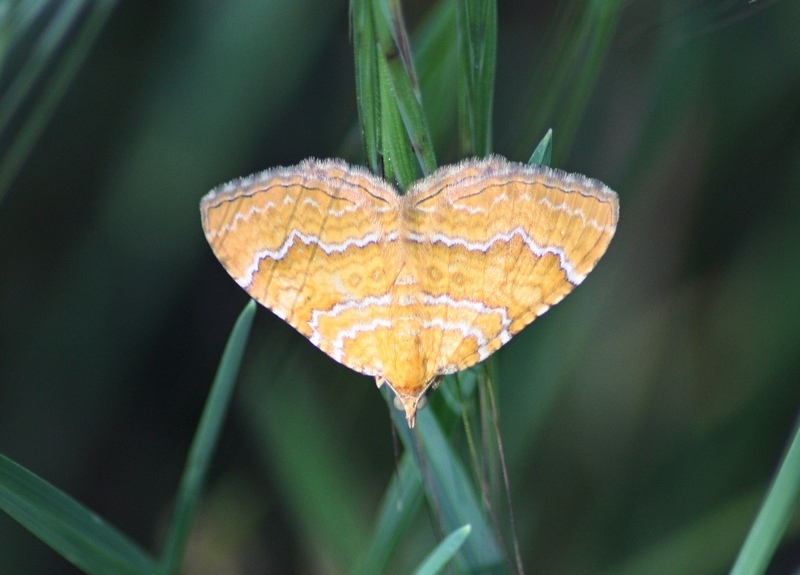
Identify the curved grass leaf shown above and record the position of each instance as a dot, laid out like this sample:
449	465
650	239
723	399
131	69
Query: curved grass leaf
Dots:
73	531
389	108
400	88
368	94
477	51
443	552
205	440
400	504
777	510
543	153
700	546
436	59
406	143
399	164
299	442
449	490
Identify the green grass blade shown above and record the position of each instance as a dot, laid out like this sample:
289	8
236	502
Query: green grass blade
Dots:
477	52
449	490
436	65
400	504
71	56
543	154
401	82
205	440
404	495
443	552
368	95
399	164
779	506
436	61
73	531
406	145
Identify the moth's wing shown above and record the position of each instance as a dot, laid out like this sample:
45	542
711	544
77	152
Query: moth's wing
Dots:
498	243
316	243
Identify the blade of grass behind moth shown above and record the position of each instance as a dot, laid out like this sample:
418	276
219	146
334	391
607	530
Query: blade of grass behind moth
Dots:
455	394
71	56
367	79
477	51
449	490
402	498
399	506
436	61
205	440
485	464
70	529
543	154
436	64
399	72
498	441
773	517
399	163
577	49
443	552
393	36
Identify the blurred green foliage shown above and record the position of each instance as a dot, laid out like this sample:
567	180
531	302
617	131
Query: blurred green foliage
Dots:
642	418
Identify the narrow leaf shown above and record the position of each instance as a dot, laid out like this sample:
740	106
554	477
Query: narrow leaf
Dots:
543	153
778	508
449	490
205	440
400	163
70	529
443	552
477	51
400	504
367	78
399	72
436	61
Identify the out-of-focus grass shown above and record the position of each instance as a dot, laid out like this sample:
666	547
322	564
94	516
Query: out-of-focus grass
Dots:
643	417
